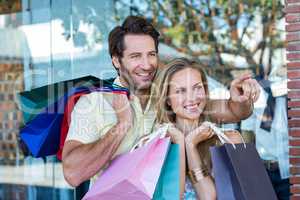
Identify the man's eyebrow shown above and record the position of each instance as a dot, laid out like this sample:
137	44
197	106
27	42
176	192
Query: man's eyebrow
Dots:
134	53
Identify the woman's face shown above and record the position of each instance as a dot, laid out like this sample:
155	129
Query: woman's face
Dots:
187	96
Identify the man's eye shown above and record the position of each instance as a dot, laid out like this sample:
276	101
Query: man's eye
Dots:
134	56
153	54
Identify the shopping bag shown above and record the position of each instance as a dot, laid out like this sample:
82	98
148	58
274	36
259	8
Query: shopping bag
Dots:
240	174
42	133
133	175
168	186
66	121
34	101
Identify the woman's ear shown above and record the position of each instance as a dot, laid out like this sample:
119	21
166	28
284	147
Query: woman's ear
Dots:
116	62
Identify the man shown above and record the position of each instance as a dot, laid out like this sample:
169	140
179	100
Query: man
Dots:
105	125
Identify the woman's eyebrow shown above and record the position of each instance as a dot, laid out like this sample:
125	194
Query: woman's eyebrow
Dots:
199	83
183	87
179	87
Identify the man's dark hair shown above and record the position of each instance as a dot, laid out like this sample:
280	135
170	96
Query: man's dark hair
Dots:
131	25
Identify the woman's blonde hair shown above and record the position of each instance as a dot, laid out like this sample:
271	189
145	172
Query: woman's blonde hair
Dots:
164	113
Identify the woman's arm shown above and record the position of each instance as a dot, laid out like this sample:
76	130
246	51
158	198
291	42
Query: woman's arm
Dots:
203	185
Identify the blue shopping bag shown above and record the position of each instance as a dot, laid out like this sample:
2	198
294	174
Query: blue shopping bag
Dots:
240	174
42	133
168	186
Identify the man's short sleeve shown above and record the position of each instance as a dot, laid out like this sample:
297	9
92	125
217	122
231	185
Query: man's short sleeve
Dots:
86	119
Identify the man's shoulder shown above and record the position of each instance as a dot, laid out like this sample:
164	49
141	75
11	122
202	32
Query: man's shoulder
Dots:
95	96
93	104
98	100
94	101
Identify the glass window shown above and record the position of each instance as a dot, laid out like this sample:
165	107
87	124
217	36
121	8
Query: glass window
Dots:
48	41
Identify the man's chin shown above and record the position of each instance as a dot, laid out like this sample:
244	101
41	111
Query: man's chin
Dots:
144	86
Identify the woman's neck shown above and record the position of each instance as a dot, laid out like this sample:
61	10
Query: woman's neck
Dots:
186	125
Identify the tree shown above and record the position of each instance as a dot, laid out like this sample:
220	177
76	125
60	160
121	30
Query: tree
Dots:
10	6
211	30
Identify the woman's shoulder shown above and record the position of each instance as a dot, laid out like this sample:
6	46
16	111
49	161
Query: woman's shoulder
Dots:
162	126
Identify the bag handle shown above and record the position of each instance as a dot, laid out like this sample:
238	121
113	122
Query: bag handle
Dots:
160	132
221	135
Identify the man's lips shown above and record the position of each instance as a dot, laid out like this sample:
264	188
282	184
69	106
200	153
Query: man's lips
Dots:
145	75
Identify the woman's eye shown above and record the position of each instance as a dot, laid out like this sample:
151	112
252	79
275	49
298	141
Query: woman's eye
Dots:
199	87
179	91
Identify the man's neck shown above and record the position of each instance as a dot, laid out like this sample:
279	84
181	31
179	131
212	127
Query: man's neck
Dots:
143	96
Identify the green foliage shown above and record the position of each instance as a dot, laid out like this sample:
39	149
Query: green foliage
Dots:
207	28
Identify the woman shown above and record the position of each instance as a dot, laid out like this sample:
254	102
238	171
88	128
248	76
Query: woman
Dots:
183	101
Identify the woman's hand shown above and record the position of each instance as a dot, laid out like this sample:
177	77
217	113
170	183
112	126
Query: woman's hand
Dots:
204	187
177	137
198	135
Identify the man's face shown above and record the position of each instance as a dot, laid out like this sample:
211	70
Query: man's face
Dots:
139	63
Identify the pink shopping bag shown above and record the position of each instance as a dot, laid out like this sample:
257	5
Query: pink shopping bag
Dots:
133	175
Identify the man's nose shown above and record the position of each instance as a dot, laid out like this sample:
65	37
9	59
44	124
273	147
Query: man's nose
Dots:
146	64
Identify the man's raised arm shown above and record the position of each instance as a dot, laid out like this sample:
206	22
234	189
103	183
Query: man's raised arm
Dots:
82	161
244	91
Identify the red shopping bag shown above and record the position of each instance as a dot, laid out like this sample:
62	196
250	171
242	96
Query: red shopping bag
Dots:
67	118
66	122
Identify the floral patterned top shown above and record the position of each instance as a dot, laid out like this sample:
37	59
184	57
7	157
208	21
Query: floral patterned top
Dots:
189	192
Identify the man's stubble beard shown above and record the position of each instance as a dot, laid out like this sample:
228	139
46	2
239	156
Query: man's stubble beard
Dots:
131	85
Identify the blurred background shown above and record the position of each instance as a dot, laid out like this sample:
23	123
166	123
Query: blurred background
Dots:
47	41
